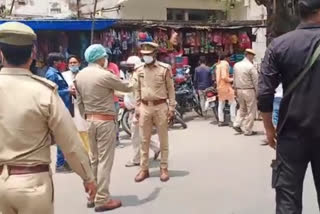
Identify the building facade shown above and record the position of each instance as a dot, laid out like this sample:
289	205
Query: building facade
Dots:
173	10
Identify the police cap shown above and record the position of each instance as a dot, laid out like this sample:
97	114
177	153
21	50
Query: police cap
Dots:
311	4
149	47
250	51
16	33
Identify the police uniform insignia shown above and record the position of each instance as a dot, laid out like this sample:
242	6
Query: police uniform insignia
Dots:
46	82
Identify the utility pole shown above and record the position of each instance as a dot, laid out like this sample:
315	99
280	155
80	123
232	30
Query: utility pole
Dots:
78	9
12	5
93	19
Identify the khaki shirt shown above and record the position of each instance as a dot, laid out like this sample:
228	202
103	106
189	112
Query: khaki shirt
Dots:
155	83
30	110
95	90
245	75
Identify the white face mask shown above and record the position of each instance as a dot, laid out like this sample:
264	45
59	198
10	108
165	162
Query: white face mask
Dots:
148	59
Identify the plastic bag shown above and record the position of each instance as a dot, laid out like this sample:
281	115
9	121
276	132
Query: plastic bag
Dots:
129	101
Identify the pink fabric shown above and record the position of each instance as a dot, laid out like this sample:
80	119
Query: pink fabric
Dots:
115	70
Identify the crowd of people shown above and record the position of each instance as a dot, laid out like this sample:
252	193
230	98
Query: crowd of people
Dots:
87	95
78	107
238	89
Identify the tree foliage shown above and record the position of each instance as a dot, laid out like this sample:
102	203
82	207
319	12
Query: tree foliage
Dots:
282	16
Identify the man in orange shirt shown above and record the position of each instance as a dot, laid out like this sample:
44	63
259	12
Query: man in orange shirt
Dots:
225	90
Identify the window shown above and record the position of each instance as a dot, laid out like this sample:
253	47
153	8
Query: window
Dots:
55	8
194	15
175	15
22	2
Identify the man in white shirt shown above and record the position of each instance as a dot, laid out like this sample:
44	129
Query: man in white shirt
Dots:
69	76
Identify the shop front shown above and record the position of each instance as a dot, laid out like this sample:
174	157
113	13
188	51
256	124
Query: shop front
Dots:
180	44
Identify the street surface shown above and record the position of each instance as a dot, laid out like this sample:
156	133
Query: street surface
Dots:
213	171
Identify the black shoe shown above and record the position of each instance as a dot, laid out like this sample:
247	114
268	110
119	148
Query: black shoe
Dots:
264	143
251	134
222	124
90	204
238	129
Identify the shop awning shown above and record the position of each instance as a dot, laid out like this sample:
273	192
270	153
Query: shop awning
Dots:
65	25
223	24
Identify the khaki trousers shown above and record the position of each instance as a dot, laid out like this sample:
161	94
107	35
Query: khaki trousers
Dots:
102	138
136	142
154	116
247	111
26	194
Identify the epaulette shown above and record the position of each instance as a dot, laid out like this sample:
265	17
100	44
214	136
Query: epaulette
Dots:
165	65
46	82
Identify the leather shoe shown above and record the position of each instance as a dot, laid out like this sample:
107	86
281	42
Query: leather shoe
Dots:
164	175
142	175
132	164
238	129
110	205
253	133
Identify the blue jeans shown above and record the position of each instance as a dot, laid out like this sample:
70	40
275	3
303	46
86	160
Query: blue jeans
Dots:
276	108
60	157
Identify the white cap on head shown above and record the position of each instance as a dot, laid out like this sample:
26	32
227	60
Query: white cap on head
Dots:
134	60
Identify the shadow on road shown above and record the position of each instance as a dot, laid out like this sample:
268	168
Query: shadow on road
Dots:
133	200
172	173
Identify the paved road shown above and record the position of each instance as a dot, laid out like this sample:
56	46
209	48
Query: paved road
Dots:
213	171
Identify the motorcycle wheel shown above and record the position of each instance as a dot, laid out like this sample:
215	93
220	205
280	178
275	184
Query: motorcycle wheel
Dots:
179	120
126	121
197	109
215	113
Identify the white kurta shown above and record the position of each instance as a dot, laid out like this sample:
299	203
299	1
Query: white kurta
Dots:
80	123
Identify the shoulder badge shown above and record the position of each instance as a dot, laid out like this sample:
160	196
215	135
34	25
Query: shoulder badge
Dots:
167	66
46	82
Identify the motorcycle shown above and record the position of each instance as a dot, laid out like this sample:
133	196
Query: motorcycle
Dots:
212	101
186	96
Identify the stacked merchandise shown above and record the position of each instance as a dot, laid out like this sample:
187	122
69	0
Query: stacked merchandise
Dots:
205	42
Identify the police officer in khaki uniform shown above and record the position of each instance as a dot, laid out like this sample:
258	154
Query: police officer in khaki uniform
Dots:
95	87
246	87
30	110
154	87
